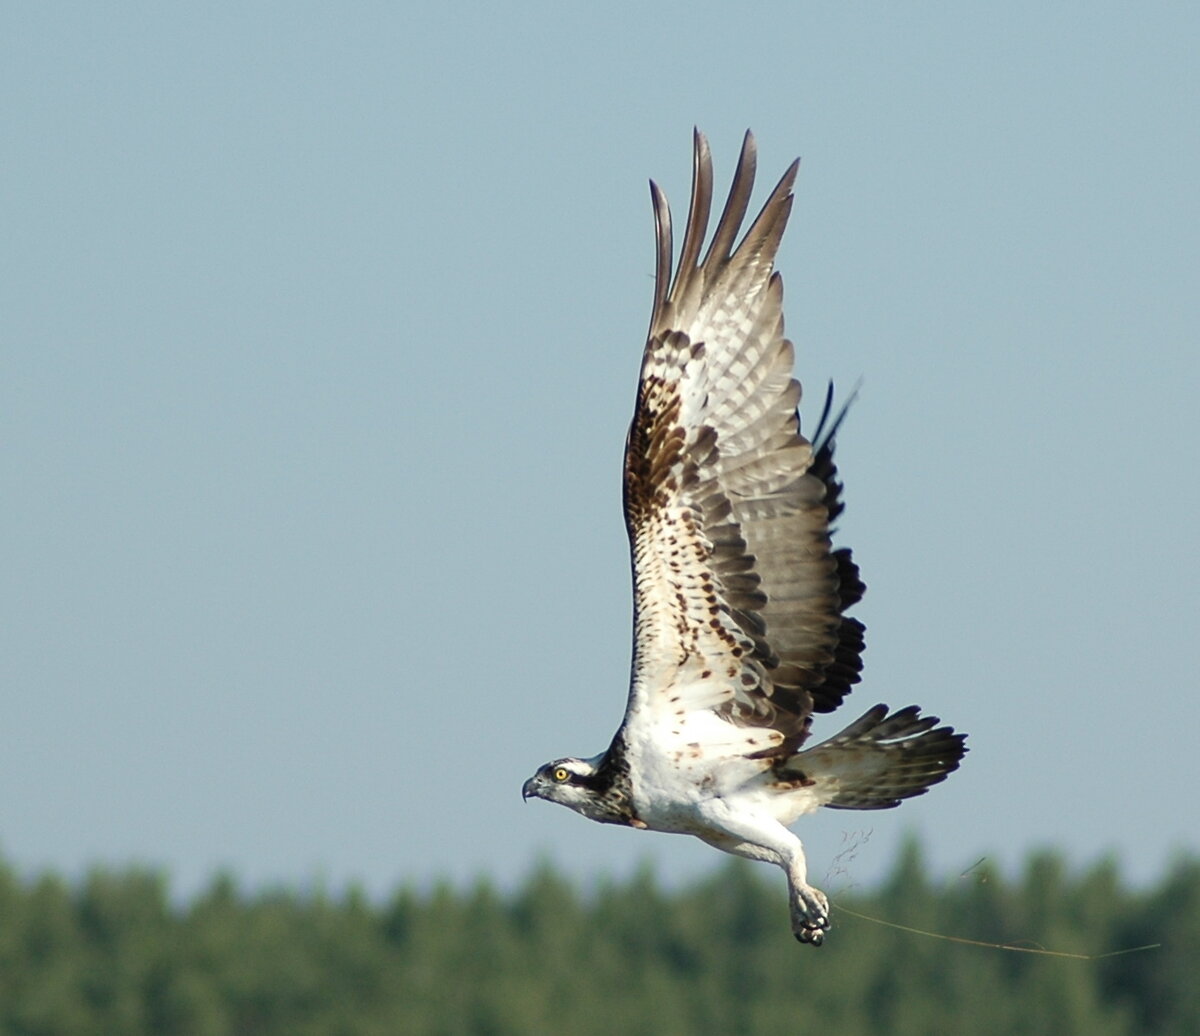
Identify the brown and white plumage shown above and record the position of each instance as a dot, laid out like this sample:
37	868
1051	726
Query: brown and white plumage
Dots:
740	634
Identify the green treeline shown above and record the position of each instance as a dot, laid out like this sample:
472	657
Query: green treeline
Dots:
113	955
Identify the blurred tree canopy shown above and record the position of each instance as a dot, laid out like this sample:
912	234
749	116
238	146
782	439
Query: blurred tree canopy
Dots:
113	954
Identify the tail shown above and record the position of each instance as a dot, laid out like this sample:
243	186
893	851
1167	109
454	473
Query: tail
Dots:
879	760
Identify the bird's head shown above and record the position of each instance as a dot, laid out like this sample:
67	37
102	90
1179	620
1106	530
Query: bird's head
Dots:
578	785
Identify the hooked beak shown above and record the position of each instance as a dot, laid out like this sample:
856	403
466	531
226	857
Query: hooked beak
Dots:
529	790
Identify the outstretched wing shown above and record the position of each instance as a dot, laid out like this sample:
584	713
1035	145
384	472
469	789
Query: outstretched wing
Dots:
738	593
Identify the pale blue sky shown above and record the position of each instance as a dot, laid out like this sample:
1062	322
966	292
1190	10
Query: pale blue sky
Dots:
320	328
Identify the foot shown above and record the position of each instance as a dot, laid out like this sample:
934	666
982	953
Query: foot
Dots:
810	914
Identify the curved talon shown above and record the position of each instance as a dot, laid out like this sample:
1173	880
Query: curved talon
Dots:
810	916
810	936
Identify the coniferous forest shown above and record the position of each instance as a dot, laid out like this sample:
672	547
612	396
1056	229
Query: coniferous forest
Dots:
114	954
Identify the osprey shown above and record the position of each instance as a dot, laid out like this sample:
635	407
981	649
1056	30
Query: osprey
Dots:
740	631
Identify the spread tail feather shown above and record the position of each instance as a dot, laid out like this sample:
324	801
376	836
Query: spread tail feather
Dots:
880	759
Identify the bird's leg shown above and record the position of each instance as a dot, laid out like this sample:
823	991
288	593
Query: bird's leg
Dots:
810	907
763	838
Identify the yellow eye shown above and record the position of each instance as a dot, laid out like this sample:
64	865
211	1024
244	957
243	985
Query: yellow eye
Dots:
561	774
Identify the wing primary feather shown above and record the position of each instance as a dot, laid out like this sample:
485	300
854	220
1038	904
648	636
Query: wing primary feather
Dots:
698	210
767	229
823	466
664	248
739	201
821	438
